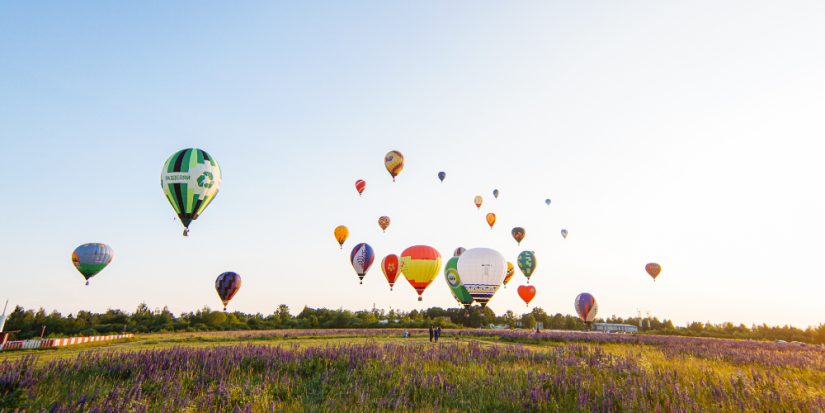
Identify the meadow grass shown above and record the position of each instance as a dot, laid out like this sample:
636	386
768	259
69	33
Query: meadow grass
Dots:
335	371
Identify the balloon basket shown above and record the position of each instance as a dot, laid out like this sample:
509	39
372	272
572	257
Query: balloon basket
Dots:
87	283
420	298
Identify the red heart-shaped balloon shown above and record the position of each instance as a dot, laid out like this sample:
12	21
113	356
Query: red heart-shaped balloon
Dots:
527	292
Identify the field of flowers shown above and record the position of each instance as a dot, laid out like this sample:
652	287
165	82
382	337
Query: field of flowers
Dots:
480	371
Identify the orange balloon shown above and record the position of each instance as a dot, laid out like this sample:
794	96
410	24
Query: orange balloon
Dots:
478	200
491	219
653	269
527	292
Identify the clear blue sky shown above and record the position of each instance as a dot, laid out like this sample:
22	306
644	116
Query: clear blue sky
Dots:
689	134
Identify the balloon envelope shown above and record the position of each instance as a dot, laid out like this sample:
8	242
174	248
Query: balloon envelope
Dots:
458	251
527	292
91	259
227	285
394	162
190	179
495	193
441	176
478	200
361	258
482	272
359	186
518	234
511	270
547	201
527	263
384	222
491	219
389	266
564	233
653	270
341	233
586	307
420	265
454	282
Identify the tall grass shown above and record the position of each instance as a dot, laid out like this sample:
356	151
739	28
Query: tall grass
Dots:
584	373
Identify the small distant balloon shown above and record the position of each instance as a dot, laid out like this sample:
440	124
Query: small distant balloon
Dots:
527	263
518	234
653	270
564	233
491	220
384	223
586	307
361	258
90	259
441	176
227	285
495	193
458	251
547	201
389	266
527	293
359	186
478	200
511	270
394	162
341	233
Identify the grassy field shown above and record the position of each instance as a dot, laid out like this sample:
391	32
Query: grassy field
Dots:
377	370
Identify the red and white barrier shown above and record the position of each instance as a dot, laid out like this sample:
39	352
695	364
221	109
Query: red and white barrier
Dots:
56	342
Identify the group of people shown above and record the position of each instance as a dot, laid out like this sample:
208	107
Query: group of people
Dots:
435	332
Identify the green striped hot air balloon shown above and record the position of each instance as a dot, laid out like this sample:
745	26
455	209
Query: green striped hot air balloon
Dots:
190	179
457	288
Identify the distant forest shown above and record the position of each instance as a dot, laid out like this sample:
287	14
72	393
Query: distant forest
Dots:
30	323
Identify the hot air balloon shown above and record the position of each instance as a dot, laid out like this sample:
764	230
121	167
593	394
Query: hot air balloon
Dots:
527	263
227	285
341	233
190	179
420	265
458	251
653	269
547	201
441	176
564	233
495	193
518	234
361	258
394	162
586	308
478	200
454	282
384	223
389	266
91	259
491	220
482	272
511	270
527	292
359	186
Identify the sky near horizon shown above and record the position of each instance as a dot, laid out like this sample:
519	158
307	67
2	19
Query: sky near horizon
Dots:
688	134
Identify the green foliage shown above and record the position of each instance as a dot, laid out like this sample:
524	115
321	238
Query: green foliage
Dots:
145	320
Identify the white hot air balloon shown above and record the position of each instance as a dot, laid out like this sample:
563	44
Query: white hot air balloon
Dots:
482	272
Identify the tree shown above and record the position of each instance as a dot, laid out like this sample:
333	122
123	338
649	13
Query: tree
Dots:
528	321
313	321
510	318
283	312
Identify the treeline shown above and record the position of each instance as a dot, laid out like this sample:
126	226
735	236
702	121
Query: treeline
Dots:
30	323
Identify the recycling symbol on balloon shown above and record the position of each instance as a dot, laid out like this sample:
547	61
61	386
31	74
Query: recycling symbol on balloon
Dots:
203	178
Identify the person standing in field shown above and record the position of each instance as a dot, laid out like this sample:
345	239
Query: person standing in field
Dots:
431	334
437	333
